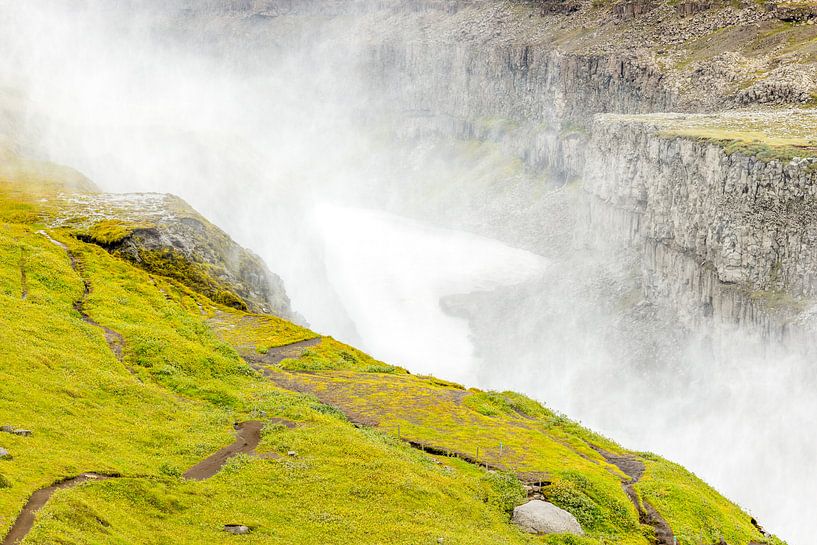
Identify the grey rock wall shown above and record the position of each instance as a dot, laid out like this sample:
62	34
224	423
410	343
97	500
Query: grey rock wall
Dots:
728	237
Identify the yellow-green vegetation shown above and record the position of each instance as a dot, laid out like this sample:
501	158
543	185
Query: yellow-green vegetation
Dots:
780	135
331	354
170	403
197	276
257	332
30	189
666	485
516	434
181	384
112	231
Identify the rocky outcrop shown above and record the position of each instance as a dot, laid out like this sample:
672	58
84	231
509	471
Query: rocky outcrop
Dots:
724	236
793	11
631	8
164	235
541	517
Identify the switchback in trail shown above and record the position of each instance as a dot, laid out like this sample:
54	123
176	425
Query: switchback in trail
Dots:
114	339
247	438
25	520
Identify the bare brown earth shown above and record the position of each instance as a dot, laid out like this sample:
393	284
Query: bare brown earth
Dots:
247	438
634	469
25	521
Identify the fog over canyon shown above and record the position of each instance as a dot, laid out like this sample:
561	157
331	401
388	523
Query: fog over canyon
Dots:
436	191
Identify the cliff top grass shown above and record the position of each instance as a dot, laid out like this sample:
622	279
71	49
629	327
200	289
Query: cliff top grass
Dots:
780	135
180	385
170	402
514	433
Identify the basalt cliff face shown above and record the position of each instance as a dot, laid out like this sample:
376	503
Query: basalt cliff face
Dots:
724	237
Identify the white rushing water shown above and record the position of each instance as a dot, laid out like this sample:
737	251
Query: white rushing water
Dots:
390	274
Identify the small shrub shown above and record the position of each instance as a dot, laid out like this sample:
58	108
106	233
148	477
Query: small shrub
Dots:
570	497
236	463
329	410
379	369
169	470
503	490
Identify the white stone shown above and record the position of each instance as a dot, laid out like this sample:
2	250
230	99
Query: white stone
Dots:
541	517
236	529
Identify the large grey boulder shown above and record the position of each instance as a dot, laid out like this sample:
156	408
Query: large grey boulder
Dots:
4	454
541	517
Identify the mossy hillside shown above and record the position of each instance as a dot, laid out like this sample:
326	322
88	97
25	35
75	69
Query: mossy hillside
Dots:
414	490
256	332
30	190
511	431
590	490
201	277
59	378
343	487
171	401
90	413
164	235
331	354
110	232
667	485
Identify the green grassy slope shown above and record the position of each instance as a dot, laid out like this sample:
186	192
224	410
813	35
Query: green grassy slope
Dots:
181	384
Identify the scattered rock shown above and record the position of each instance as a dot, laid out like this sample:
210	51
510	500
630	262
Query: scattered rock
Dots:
785	85
533	489
22	433
292	453
6	429
237	529
795	12
4	454
541	517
